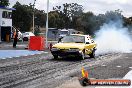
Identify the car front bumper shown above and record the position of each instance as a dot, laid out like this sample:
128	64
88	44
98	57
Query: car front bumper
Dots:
65	53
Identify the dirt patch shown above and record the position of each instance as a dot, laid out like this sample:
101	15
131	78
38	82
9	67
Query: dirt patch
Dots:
74	83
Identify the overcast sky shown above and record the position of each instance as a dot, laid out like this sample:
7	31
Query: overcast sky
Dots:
96	6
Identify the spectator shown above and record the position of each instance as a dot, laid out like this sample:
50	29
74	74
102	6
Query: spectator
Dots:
15	35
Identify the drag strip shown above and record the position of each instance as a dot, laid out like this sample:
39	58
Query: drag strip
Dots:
107	69
41	71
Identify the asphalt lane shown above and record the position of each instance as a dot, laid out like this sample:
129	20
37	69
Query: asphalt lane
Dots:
111	69
41	71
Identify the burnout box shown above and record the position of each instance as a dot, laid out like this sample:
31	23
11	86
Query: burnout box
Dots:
36	43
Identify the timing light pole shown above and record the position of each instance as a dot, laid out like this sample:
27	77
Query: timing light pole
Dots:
47	24
33	14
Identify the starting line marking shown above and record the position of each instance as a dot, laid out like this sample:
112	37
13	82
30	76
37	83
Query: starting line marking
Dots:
118	66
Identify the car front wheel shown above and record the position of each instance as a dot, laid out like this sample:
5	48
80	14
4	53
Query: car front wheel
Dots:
92	55
82	56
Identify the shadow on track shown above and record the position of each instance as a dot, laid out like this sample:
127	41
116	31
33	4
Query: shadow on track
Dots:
70	59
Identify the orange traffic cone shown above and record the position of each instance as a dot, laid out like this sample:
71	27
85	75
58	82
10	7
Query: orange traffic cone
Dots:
84	73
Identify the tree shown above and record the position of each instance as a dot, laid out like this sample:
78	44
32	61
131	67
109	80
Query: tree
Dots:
128	23
69	13
23	17
40	18
88	23
52	19
4	3
55	20
113	15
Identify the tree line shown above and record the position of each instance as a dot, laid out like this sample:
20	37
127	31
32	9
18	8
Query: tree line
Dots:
68	15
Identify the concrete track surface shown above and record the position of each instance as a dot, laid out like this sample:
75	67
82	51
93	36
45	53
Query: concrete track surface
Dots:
42	71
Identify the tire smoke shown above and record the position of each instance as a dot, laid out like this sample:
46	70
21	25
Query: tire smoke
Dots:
113	38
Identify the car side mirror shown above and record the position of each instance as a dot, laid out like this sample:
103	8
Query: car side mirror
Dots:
92	41
87	43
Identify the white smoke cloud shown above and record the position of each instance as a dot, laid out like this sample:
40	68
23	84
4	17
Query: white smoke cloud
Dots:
113	37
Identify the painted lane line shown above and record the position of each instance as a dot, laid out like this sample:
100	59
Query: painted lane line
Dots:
90	65
46	52
103	65
93	78
25	55
10	57
130	67
17	56
32	54
118	66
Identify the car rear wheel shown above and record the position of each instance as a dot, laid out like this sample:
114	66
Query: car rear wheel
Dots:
55	56
25	39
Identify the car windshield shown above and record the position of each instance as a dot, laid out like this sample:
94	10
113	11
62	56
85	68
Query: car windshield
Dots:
73	39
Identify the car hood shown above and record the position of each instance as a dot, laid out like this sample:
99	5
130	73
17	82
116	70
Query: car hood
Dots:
69	45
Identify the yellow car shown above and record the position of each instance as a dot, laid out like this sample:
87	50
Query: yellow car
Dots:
74	45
